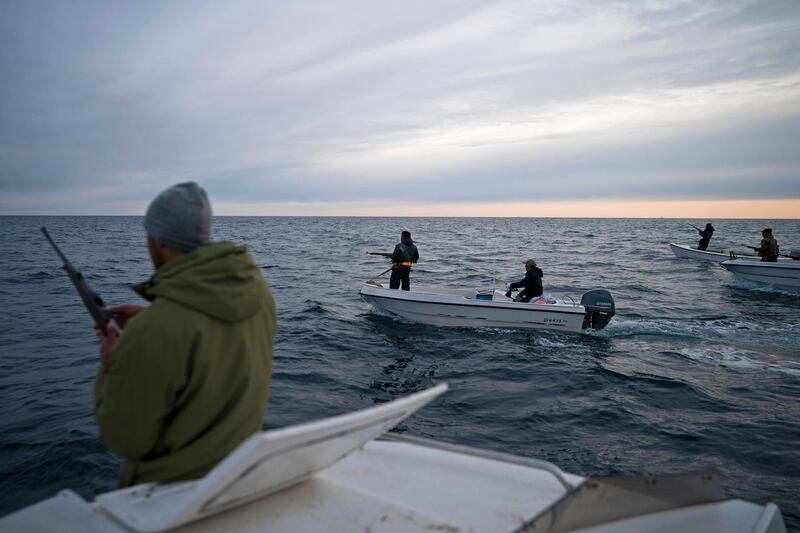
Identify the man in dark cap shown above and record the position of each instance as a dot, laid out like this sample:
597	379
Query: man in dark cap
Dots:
769	250
531	284
705	236
187	380
405	254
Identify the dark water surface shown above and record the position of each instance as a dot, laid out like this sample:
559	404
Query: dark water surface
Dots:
697	371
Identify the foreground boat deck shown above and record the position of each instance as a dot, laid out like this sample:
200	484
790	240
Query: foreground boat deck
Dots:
334	475
385	486
402	486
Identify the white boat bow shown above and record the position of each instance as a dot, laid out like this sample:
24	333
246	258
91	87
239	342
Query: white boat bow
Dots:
683	251
784	274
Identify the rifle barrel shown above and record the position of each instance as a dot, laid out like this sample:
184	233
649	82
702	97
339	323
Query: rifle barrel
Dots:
91	300
56	248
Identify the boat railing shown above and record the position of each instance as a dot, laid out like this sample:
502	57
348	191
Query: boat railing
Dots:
486	454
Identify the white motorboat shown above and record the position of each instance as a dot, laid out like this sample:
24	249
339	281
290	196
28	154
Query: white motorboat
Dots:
336	475
457	307
785	274
712	256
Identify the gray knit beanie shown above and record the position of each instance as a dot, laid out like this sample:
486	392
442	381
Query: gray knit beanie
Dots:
180	217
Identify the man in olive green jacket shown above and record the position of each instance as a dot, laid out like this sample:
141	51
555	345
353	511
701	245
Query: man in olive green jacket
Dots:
187	381
769	250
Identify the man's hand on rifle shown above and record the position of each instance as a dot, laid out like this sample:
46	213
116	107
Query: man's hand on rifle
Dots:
107	342
123	313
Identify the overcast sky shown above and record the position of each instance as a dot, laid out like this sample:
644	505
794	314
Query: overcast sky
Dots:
309	107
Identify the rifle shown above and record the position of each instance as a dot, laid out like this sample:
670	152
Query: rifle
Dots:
94	304
757	249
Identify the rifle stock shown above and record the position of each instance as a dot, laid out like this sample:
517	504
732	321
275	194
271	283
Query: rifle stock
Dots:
91	300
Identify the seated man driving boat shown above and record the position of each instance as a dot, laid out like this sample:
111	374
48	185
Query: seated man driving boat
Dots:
531	284
187	380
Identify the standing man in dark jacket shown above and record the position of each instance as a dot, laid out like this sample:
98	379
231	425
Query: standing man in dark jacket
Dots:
705	236
404	255
531	284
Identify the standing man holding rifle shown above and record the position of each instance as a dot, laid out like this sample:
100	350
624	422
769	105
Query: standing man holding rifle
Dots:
705	235
405	254
187	380
769	249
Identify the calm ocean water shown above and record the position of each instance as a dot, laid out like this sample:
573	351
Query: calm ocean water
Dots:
696	372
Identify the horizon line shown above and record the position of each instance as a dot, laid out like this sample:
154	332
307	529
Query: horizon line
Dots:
420	216
739	209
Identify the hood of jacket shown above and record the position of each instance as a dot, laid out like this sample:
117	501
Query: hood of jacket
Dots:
219	279
535	270
407	241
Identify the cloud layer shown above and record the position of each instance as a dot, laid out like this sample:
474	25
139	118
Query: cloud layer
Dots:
357	101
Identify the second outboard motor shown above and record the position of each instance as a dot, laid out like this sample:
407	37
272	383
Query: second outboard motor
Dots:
599	307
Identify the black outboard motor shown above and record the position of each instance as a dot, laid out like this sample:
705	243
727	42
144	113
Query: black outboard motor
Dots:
599	308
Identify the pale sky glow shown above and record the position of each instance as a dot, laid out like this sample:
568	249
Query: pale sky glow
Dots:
759	209
453	107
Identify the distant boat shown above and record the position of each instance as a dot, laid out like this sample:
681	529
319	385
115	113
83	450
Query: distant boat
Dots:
784	273
461	307
337	475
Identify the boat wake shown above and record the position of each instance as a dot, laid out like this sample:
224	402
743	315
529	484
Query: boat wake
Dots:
699	329
726	342
627	327
732	357
738	283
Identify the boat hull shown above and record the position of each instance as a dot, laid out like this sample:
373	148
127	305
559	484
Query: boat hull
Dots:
710	256
460	311
782	274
